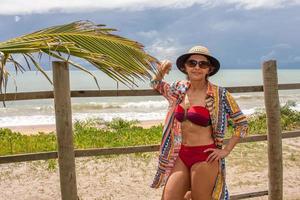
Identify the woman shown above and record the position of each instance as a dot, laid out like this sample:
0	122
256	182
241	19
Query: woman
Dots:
192	153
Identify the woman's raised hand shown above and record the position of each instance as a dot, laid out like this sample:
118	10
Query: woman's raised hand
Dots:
164	67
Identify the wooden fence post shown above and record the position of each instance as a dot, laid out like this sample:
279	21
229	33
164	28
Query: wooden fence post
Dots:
63	117
274	129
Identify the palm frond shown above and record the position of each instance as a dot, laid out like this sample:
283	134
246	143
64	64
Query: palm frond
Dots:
120	58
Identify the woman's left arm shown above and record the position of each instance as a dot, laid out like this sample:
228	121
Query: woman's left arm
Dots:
240	123
240	126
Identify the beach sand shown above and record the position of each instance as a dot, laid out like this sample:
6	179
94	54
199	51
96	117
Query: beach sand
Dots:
127	177
32	129
35	129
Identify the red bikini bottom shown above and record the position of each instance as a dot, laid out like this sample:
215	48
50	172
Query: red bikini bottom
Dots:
193	154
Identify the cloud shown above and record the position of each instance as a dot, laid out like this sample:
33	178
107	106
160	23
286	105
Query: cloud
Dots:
148	34
276	50
296	58
270	4
282	46
164	49
268	56
17	18
18	7
226	25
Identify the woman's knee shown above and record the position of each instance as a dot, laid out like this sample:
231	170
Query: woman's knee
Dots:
177	186
170	194
200	196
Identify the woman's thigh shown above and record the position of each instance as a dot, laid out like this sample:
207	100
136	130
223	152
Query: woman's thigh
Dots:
178	182
203	176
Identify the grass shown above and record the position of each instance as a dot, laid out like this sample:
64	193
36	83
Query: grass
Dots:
96	133
92	133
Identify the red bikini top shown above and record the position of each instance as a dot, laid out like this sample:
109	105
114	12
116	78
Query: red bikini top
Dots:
197	114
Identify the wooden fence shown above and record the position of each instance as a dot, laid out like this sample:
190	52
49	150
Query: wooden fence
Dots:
66	153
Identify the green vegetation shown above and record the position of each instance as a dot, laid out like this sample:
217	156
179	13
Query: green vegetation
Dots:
15	142
118	57
290	120
92	133
96	133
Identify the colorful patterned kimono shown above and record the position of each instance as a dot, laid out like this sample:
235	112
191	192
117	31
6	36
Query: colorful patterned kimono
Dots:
220	104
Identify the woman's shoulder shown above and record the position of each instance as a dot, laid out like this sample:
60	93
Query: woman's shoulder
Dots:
180	86
180	83
216	87
217	90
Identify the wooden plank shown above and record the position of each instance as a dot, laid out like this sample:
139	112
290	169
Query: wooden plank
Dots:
249	195
272	105
255	138
27	96
116	150
242	89
115	93
290	134
120	150
259	138
63	118
291	86
28	157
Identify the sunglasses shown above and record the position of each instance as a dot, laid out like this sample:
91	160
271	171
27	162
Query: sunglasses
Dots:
202	64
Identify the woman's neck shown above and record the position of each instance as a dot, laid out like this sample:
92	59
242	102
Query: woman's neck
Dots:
198	85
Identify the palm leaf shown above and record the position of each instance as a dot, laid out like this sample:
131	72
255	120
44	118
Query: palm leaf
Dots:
120	58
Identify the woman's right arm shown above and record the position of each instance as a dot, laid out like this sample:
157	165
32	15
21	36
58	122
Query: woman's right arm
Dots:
157	82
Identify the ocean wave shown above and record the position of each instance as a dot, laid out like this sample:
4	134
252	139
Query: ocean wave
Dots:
146	104
295	108
250	111
81	106
260	96
248	97
89	106
94	106
142	110
23	120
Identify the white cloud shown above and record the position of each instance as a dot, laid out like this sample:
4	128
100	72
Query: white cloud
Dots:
256	4
269	56
17	18
296	59
282	46
148	34
18	7
225	25
164	49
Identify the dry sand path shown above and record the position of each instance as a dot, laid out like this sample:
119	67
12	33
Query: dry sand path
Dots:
128	176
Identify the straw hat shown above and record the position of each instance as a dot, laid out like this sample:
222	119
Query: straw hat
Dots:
201	50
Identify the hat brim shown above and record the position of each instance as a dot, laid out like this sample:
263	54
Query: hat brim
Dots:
181	61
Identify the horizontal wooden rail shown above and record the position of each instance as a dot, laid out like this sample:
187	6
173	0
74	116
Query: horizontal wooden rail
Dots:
119	150
116	150
115	93
248	195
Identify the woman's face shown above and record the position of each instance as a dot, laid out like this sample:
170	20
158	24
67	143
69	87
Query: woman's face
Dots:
197	67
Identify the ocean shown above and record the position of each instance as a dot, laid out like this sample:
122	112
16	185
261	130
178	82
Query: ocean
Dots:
41	112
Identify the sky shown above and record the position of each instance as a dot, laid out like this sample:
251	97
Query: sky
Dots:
240	33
